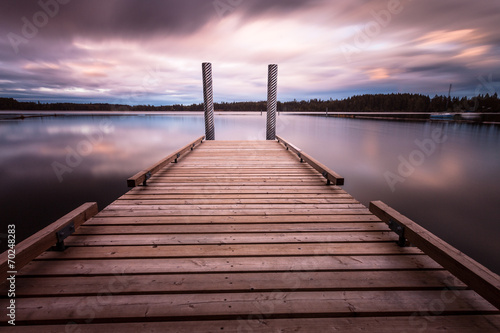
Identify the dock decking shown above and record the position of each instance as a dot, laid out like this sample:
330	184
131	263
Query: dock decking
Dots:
241	236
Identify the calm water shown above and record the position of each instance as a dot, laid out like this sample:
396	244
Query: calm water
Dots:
442	175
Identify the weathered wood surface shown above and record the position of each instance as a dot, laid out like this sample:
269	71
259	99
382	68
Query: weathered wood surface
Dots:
240	237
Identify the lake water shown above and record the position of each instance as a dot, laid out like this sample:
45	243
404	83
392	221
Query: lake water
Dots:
444	176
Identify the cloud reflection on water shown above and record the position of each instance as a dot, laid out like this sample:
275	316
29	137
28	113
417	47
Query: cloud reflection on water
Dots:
455	192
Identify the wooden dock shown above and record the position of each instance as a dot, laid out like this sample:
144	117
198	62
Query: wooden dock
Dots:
245	236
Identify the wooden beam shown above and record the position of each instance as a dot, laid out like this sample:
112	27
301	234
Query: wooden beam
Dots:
37	243
143	175
476	276
329	174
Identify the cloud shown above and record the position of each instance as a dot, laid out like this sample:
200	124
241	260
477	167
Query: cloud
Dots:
130	52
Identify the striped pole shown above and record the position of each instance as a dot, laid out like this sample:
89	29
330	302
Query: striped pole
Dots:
272	87
208	98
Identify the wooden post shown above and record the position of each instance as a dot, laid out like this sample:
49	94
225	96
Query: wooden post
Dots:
272	87
208	99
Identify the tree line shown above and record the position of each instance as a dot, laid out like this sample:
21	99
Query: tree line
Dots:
360	103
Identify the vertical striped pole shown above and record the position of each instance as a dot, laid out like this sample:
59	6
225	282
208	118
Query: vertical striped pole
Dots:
272	87
208	99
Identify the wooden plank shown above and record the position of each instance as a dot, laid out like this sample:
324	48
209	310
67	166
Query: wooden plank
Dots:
236	189
214	190
205	201
296	174
227	219
231	173
242	169
282	188
305	187
247	158
234	212
235	180
476	276
230	238
289	162
226	250
241	172
161	184
421	322
329	174
194	183
209	177
227	264
240	150
224	163
234	160
37	243
238	282
338	194
277	304
140	177
243	155
295	207
124	229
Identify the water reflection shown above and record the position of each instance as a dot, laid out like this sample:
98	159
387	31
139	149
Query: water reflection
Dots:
50	165
454	192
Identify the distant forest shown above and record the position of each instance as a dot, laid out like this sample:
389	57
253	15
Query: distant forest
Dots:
361	103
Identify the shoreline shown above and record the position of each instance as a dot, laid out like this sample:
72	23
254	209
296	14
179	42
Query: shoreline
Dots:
482	118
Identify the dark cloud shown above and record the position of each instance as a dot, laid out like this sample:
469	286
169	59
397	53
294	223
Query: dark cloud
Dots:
134	18
112	18
282	7
438	67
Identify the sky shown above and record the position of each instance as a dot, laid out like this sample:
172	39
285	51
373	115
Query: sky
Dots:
150	52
